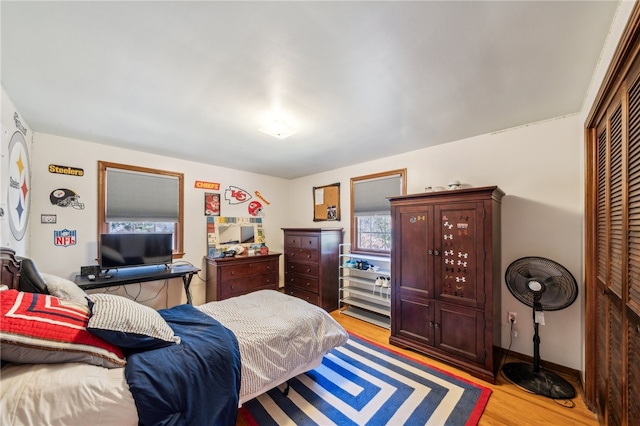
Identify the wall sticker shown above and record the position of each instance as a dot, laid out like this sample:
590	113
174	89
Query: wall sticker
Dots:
16	119
200	184
66	170
63	197
255	208
235	195
259	195
65	238
18	193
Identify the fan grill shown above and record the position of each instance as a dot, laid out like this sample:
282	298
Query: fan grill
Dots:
559	286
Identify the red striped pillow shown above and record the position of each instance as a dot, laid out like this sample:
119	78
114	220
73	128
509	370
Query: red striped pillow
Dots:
40	328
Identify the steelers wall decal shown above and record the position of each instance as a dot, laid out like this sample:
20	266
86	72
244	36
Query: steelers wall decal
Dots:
19	191
63	197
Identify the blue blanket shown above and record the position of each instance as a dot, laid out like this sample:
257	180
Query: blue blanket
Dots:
194	383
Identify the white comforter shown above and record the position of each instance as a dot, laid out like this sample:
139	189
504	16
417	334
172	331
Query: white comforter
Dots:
279	337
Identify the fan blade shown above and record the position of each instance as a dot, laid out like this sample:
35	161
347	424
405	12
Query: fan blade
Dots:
560	287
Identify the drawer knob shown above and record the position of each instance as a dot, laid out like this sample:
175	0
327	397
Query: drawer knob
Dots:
308	256
308	270
233	272
308	284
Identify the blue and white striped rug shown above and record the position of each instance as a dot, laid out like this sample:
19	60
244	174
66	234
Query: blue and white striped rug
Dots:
362	383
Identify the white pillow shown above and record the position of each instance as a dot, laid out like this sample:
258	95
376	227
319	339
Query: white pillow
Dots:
128	324
64	289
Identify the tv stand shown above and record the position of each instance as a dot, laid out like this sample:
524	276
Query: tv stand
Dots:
141	274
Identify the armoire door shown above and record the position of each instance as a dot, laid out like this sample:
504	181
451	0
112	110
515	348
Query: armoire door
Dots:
460	331
459	269
412	262
414	251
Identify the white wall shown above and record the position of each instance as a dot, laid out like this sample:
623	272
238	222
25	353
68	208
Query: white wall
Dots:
541	169
66	261
9	127
538	167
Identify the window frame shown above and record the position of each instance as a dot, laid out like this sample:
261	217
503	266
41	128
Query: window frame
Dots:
103	226
402	173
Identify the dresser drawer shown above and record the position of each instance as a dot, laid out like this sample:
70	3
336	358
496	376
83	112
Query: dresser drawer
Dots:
246	269
301	241
302	255
301	294
248	284
301	281
310	269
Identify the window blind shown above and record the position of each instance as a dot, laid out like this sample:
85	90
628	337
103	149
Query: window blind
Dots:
138	197
369	196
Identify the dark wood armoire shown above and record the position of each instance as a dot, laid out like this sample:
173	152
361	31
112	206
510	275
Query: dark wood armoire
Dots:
445	273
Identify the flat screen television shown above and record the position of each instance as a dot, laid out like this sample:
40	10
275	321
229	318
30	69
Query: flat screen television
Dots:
136	249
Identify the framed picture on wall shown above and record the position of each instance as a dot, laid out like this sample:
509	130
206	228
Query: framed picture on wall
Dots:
211	204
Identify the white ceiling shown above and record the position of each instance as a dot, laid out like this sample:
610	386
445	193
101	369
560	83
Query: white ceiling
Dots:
357	80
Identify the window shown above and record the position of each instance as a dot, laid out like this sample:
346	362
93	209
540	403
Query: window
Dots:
370	211
138	199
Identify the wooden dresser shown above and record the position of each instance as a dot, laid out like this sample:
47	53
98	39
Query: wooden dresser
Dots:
445	277
234	276
311	265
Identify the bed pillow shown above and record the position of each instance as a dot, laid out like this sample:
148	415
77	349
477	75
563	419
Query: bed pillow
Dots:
128	324
64	289
41	328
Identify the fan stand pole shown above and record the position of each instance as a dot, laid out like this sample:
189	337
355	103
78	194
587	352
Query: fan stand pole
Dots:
536	339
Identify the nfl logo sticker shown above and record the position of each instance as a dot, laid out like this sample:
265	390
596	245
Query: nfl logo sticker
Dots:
64	238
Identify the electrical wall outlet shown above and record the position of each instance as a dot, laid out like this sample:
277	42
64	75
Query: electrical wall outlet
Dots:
514	333
512	317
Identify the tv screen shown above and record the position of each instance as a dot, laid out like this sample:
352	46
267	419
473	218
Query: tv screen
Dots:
127	250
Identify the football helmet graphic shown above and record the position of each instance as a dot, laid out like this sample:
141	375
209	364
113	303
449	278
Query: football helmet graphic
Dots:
63	197
255	208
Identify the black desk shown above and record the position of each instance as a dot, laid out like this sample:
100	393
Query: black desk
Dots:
141	274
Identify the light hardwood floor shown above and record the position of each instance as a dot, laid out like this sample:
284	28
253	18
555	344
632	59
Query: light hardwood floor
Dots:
508	404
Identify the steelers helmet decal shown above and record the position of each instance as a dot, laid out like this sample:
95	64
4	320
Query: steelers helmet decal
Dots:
64	197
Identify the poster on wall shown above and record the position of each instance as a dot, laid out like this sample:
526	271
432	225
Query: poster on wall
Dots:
211	204
19	189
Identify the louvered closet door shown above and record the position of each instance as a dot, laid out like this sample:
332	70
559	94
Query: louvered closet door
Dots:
617	255
631	293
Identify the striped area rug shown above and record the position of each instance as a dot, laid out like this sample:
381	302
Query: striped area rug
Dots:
362	383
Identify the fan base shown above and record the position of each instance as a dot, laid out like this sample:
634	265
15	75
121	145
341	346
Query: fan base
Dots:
544	382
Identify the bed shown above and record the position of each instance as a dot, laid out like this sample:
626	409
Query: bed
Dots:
274	336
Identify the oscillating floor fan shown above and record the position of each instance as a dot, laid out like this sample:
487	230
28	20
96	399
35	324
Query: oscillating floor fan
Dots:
544	285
